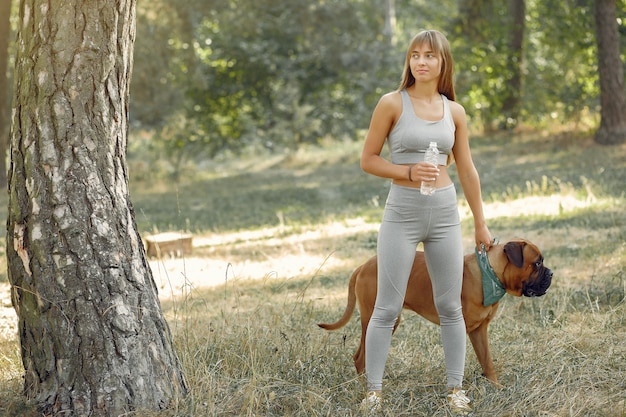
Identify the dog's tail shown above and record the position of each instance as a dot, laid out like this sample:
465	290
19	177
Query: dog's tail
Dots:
349	308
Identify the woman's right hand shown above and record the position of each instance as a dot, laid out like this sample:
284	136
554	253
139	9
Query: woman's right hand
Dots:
424	172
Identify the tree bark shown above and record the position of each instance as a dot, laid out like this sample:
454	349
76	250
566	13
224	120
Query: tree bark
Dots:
93	337
5	33
612	128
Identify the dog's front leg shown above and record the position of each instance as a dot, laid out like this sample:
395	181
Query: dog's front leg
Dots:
480	341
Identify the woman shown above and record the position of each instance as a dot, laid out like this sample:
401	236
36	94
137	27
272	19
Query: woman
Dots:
420	111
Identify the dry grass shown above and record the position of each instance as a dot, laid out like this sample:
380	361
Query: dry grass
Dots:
243	310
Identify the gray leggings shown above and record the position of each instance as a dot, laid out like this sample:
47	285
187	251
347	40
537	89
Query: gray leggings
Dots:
410	218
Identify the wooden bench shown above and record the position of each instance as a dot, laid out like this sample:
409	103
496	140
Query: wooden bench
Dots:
168	244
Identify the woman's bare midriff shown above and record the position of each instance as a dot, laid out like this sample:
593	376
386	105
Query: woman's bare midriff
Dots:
442	181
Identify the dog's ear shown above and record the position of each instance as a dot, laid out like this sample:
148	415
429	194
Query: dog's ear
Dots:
515	252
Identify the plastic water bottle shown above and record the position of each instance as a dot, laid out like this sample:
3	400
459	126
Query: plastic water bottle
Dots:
428	187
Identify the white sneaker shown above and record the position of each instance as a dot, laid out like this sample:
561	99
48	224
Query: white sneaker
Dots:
372	402
459	402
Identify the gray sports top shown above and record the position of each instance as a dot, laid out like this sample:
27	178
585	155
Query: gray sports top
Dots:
410	137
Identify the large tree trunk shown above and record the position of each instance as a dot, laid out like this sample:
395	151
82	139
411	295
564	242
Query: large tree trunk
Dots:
5	33
93	337
612	128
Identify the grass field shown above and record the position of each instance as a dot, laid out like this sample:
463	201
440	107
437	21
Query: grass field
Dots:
285	231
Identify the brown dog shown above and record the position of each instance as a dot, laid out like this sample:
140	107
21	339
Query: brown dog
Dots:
518	265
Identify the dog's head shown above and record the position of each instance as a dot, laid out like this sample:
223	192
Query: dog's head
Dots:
535	276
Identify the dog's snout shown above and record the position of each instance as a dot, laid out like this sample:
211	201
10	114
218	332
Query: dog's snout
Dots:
539	286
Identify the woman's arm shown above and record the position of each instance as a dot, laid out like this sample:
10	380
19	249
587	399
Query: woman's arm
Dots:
468	176
383	119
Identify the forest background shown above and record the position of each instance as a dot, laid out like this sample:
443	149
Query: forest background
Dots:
213	79
246	122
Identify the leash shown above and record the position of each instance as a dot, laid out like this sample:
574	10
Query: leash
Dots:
493	290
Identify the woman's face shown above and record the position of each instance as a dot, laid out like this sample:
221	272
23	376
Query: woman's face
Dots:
425	64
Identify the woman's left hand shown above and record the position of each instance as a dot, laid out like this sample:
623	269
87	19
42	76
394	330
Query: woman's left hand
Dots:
483	236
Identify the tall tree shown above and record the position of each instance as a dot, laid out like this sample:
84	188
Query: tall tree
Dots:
612	128
389	30
511	103
5	33
93	337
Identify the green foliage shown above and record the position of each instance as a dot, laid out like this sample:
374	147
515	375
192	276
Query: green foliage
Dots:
561	64
159	63
479	43
225	75
283	73
231	75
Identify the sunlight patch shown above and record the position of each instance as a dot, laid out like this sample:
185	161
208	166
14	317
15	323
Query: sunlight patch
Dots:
553	205
177	277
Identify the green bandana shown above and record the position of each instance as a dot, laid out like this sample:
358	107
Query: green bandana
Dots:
493	290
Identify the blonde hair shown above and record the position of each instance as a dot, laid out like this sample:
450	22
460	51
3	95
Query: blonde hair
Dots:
440	46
